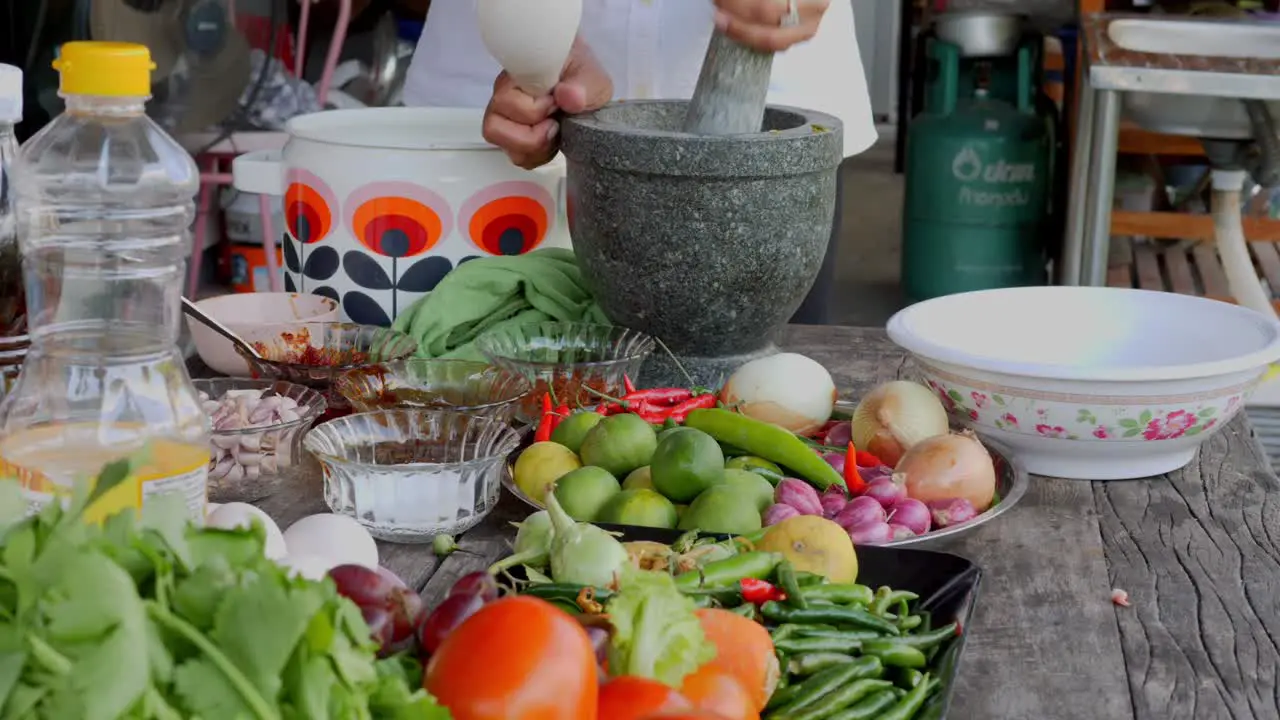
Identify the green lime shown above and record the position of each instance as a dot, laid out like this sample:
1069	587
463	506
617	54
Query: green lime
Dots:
642	507
640	478
619	444
540	466
573	430
722	509
758	465
583	492
686	463
751	484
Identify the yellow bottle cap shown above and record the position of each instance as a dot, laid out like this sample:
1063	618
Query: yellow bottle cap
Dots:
104	68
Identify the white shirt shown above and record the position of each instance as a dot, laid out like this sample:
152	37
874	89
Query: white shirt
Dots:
651	49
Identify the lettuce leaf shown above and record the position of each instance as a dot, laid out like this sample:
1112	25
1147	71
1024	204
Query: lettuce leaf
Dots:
655	632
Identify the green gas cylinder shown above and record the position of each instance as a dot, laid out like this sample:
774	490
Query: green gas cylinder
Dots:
978	179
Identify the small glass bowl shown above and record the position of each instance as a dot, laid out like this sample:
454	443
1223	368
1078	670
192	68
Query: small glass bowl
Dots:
313	354
245	464
562	358
465	386
408	475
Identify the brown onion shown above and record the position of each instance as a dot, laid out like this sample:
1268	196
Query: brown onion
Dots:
894	417
955	465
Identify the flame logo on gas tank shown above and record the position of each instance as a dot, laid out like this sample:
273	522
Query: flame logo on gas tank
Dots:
967	166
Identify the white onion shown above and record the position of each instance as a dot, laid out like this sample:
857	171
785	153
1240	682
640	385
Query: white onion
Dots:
955	465
894	417
786	389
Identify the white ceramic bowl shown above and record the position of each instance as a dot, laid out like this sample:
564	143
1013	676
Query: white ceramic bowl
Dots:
1090	383
244	312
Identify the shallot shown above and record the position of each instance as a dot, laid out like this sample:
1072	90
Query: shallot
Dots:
874	533
894	417
952	511
835	460
840	435
833	500
860	511
886	491
955	465
901	532
240	456
778	512
912	514
873	474
799	495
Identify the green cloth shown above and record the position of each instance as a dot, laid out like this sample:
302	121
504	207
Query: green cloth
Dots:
496	292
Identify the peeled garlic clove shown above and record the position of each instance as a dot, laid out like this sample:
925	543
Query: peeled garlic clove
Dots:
225	442
249	458
251	442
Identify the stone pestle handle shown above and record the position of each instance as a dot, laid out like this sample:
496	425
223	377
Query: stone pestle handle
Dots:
731	91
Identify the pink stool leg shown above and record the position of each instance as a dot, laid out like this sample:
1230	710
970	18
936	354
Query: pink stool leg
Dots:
269	243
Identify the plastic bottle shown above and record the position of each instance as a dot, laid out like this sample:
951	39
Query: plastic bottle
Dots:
13	306
104	202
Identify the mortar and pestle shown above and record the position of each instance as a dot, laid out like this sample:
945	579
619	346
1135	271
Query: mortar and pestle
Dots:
702	222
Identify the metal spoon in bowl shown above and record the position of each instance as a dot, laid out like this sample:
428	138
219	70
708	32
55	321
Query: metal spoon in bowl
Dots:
201	316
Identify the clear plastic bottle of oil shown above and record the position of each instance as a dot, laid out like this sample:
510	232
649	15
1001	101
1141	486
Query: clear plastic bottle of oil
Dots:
104	202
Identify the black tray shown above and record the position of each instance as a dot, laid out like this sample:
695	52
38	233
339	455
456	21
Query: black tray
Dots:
947	585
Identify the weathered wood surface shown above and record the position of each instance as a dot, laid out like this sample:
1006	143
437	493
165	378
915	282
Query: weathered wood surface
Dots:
1196	550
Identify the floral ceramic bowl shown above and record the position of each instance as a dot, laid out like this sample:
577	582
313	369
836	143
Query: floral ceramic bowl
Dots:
1090	383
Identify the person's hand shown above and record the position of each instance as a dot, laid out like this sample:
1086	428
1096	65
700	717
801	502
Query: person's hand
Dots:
759	24
523	125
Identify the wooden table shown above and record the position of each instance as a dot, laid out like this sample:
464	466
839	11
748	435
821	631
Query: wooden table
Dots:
1197	550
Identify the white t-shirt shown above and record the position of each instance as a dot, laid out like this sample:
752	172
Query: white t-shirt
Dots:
651	49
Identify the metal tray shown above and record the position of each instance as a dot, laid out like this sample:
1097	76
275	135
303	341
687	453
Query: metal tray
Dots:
1011	485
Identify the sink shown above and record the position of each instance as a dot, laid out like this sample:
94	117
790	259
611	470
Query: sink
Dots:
1222	118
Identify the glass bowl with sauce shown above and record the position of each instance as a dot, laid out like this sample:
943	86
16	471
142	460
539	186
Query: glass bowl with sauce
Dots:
468	386
408	475
314	354
577	363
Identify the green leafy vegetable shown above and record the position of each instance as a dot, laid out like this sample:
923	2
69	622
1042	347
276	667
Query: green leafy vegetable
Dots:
150	617
655	632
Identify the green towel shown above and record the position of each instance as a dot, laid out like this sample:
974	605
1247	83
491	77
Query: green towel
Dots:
497	292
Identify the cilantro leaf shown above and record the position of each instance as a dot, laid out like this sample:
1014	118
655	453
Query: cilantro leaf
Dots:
258	625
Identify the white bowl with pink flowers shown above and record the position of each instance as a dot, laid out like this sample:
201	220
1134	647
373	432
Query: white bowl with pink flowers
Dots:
1090	383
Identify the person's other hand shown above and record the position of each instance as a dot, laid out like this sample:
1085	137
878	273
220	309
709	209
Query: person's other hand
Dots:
523	126
758	23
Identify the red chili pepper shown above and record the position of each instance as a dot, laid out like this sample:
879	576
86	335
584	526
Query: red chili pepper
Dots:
545	423
679	412
628	387
558	416
852	478
660	396
867	460
759	592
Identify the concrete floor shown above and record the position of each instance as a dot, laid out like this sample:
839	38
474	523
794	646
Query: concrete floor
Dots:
867	289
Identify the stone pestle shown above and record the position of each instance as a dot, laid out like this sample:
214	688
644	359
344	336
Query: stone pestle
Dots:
730	96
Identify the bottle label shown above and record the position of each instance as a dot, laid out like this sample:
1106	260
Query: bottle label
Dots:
133	493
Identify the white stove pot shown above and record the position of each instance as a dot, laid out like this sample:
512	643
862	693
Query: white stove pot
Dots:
381	203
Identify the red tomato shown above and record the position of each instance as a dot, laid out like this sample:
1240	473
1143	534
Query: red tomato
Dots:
634	698
519	658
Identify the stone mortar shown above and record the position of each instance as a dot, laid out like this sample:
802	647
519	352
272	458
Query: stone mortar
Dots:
709	243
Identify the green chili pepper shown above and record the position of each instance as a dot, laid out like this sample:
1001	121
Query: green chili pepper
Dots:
849	636
854	617
869	708
730	571
794	646
564	591
895	654
886	597
909	677
827	681
786	573
909	622
783	696
841	594
746	610
810	663
929	640
906	708
840	698
765	440
808	579
566	605
786	630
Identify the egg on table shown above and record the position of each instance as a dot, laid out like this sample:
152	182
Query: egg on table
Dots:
337	539
232	516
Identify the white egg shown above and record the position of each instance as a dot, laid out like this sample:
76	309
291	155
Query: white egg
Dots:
311	567
241	515
338	538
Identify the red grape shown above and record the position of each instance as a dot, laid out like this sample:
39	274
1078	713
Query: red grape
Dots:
437	624
405	607
476	583
391	577
364	587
